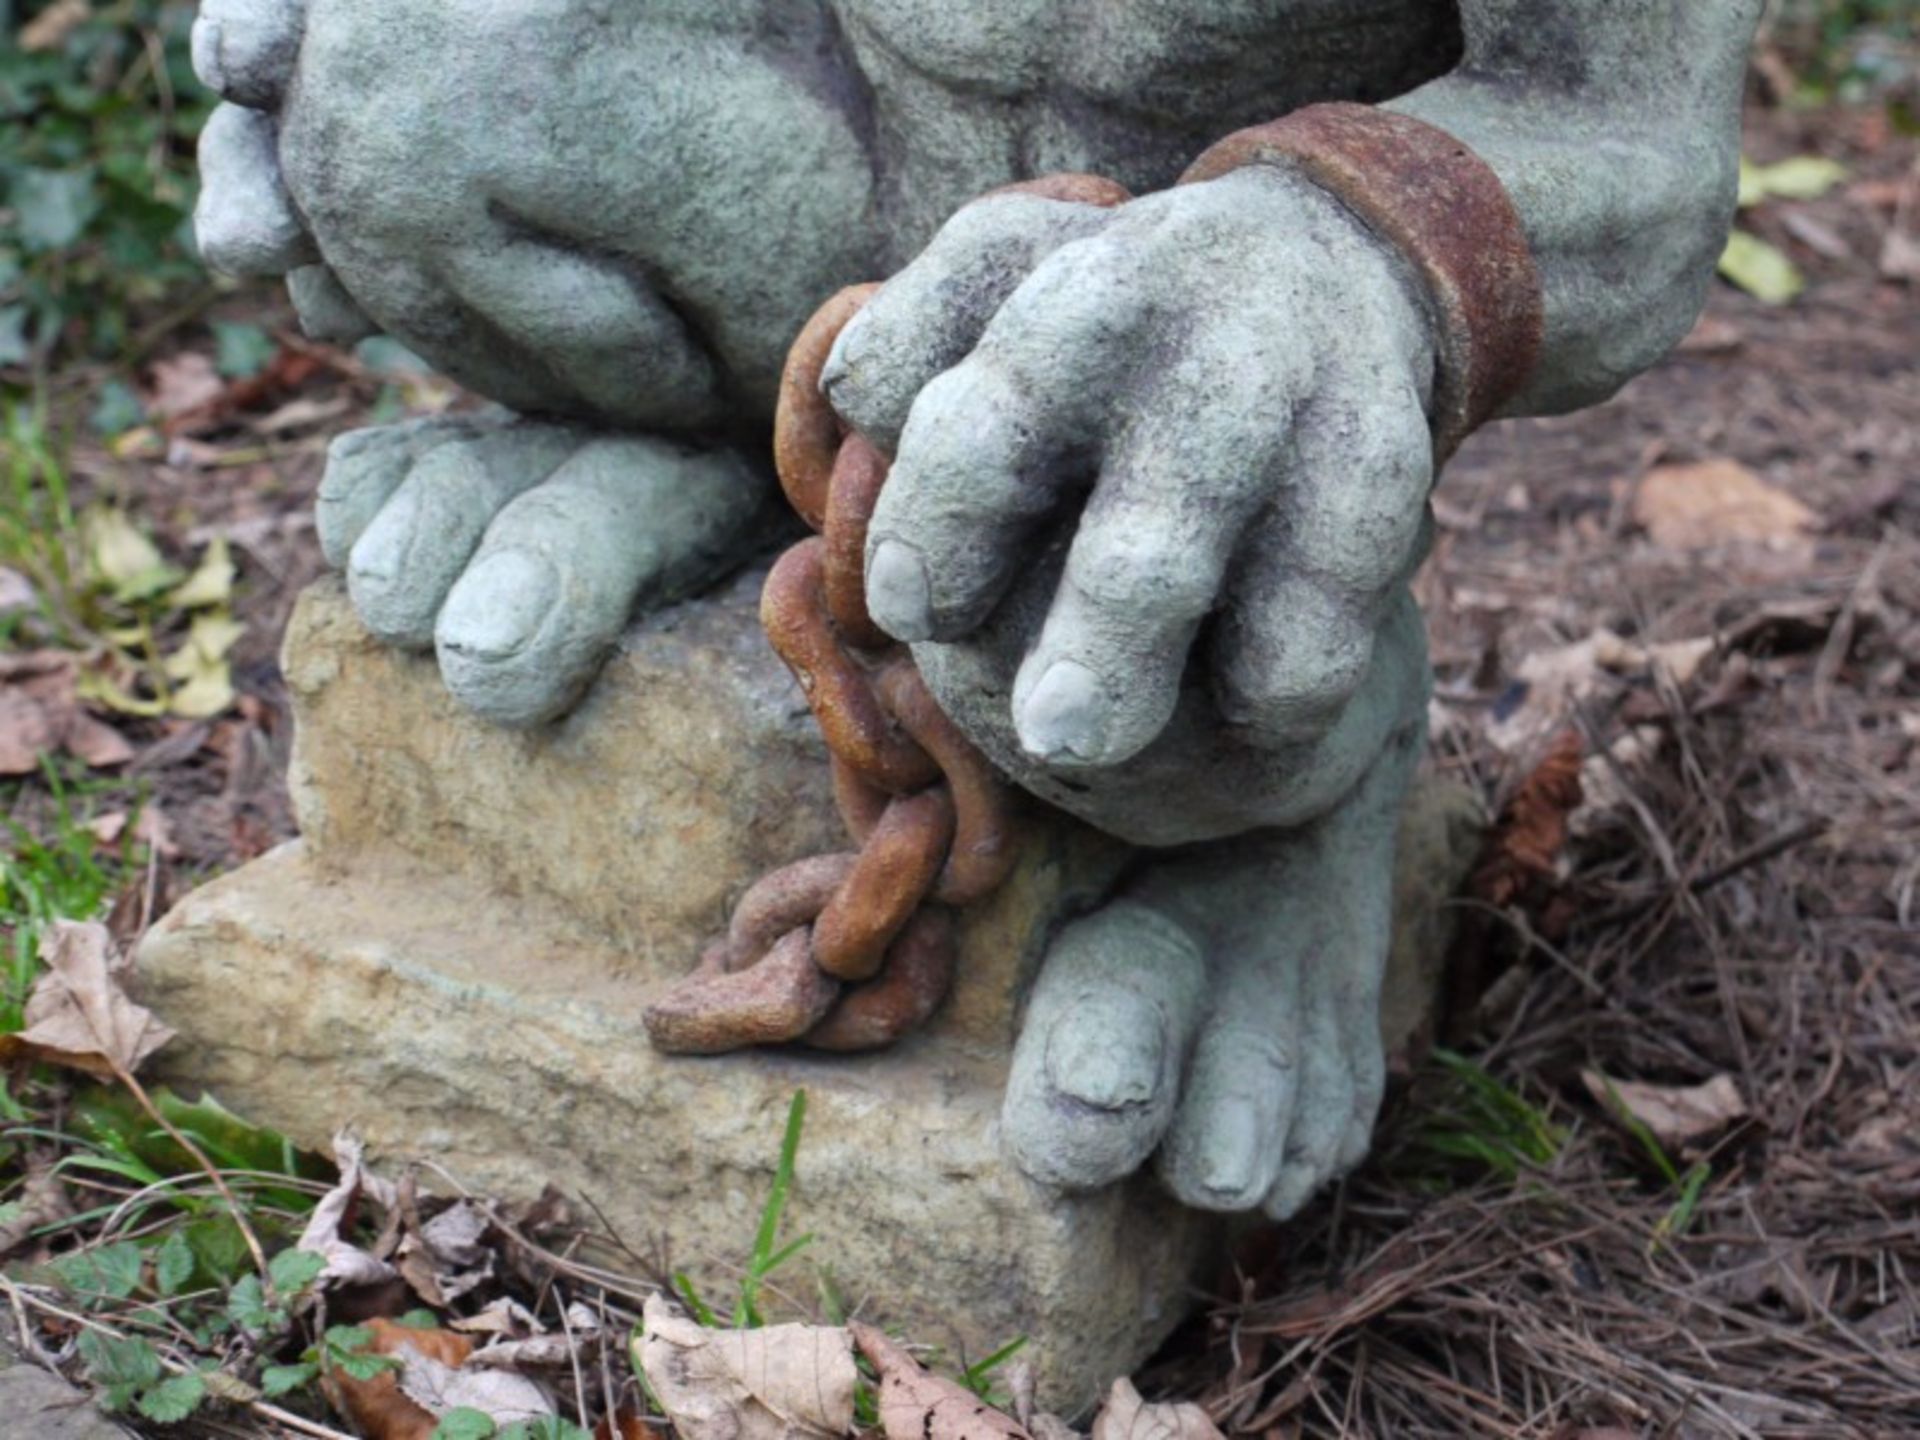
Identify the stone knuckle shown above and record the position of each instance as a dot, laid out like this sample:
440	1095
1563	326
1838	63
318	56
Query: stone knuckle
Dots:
1153	574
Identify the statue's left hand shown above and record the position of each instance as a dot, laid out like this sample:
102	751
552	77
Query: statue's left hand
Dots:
1228	382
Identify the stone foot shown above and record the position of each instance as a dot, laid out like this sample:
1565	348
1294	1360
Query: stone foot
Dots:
518	550
1221	1015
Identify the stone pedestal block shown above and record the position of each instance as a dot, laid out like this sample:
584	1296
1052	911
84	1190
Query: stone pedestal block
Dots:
455	957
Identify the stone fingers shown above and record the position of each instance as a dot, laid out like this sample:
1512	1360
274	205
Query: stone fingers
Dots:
993	446
245	222
1298	633
245	51
1183	477
929	316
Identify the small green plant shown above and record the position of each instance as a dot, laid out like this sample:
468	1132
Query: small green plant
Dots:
1478	1122
1689	1184
59	873
99	110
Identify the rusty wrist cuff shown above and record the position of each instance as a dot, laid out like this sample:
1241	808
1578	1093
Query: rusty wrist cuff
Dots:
1440	205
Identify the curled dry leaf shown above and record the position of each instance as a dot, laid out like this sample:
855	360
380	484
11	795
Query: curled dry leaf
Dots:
446	1257
916	1404
1676	1115
347	1263
1127	1417
438	1387
779	1383
42	1201
1717	502
583	1332
1522	857
78	1016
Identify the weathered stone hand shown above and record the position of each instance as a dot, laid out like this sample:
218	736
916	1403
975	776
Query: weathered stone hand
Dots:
1226	381
1216	397
517	550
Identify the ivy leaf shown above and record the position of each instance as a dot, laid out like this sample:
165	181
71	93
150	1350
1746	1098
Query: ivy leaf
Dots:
465	1424
173	1399
242	350
172	1265
278	1380
53	207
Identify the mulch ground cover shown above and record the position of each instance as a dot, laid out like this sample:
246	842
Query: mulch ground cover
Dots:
1664	1177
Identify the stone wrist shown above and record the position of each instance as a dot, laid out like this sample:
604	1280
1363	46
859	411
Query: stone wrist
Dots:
1436	202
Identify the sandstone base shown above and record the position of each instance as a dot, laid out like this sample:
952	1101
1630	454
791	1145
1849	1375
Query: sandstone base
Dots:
455	958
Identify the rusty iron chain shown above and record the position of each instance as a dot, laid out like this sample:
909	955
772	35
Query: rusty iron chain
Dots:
852	950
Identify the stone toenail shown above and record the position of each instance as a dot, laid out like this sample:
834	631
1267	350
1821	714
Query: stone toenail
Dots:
1065	716
500	605
1102	1055
1230	1154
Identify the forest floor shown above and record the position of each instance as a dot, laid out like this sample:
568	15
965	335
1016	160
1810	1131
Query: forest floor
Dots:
1665	1179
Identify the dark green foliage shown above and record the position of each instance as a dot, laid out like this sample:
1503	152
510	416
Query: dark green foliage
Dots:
96	175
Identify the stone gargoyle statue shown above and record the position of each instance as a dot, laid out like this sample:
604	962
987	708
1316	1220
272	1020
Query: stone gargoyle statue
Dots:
1160	468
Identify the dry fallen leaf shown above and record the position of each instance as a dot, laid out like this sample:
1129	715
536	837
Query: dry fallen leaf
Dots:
778	1383
42	1200
1717	502
1676	1115
446	1258
437	1387
378	1407
152	829
40	713
1127	1417
78	1015
182	383
582	1332
50	28
916	1404
1522	855
347	1263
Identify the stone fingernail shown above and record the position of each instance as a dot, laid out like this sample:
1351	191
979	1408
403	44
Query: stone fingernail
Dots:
898	592
500	605
1065	716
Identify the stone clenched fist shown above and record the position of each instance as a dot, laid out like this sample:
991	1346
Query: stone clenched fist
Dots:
1215	399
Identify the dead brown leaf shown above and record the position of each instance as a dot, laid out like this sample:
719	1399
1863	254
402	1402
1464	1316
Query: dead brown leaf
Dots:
39	714
152	829
78	1016
347	1264
1522	857
1677	1116
50	28
783	1382
916	1404
182	383
445	1257
42	1201
1127	1417
378	1408
1717	502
